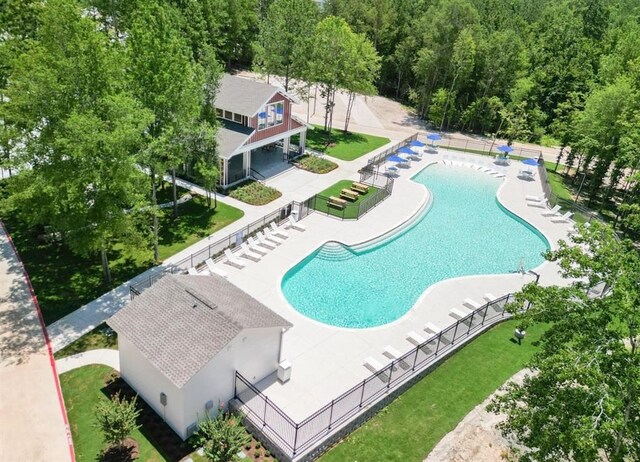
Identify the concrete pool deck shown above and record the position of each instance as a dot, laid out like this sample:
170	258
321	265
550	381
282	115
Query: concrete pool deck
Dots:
326	360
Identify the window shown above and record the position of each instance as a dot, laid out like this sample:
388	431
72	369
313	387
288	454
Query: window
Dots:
237	118
272	115
219	112
228	115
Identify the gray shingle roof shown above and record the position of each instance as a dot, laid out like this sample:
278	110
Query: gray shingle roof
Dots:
181	322
230	136
243	96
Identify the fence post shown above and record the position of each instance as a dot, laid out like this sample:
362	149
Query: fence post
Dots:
455	332
471	322
415	360
364	382
264	417
295	439
331	413
486	308
390	373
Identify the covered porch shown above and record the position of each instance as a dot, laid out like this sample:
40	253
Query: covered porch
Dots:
262	160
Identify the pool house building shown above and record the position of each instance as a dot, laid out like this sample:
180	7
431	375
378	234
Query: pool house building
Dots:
256	126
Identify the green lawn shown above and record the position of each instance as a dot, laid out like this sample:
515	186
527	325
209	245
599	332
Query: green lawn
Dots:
343	146
64	281
409	428
351	210
315	164
82	388
102	337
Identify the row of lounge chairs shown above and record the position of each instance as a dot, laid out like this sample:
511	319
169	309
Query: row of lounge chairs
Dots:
430	330
554	213
254	248
477	164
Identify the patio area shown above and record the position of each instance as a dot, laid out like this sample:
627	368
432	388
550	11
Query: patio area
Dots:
269	161
326	360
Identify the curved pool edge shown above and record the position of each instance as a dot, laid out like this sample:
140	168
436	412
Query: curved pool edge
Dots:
421	210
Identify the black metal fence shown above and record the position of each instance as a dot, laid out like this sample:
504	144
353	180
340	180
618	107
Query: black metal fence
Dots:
371	169
294	438
216	249
351	211
482	146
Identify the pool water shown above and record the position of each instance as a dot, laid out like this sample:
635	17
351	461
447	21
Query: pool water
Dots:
465	232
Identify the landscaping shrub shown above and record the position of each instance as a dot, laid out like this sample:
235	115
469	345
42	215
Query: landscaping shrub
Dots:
316	164
255	193
222	437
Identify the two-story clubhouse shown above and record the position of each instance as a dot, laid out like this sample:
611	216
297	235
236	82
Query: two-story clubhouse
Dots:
254	137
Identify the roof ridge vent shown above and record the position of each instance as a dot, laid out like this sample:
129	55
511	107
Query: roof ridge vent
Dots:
211	306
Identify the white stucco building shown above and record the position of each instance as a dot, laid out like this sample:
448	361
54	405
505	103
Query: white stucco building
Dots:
182	340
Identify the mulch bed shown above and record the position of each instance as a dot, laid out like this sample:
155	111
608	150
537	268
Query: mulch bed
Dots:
166	441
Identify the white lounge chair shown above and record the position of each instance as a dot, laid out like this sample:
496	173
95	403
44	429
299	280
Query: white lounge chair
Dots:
248	253
373	365
540	205
459	313
192	271
431	328
272	236
295	225
471	303
266	235
233	260
489	297
213	269
415	339
264	243
262	239
562	218
540	198
391	353
551	212
253	245
277	231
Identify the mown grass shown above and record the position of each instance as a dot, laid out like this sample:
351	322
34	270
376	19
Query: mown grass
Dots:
254	193
102	337
351	209
64	281
344	146
83	389
410	427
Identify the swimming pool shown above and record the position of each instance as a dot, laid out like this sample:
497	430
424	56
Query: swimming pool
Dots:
465	232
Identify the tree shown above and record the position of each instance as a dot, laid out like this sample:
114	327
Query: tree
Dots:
116	418
221	437
282	36
78	130
334	62
165	80
582	402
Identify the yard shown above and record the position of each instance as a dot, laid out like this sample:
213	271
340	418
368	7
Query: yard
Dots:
343	146
351	209
102	337
84	387
64	281
410	427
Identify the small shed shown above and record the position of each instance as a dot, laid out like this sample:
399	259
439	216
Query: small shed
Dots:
182	340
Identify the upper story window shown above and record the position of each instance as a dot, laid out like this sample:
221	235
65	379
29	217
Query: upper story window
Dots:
272	115
232	116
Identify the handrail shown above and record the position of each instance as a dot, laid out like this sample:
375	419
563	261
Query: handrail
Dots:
257	175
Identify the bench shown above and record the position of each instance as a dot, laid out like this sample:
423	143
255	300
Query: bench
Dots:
348	194
359	187
336	202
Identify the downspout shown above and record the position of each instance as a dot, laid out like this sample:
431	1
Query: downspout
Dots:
282	331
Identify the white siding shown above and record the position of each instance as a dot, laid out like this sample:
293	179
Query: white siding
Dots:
253	353
149	383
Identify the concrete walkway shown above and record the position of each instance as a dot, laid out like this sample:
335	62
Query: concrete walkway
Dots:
34	423
295	184
104	356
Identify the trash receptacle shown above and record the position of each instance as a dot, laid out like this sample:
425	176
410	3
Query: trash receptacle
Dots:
284	371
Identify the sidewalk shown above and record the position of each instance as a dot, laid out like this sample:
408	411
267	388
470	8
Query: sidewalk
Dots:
34	423
105	356
295	184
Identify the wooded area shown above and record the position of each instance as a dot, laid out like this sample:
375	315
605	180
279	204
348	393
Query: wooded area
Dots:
100	88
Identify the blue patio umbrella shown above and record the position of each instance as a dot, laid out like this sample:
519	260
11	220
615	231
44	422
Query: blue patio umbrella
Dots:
406	150
417	144
506	149
279	110
530	162
434	137
395	158
262	115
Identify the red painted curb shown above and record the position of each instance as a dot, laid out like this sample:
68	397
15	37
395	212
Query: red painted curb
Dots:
52	361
